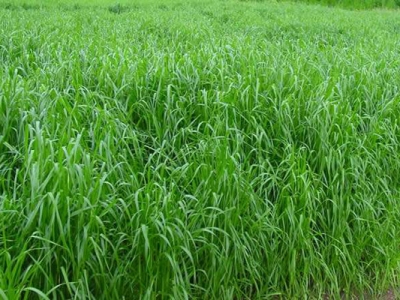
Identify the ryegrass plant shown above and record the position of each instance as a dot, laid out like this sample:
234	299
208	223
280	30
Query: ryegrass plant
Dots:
198	150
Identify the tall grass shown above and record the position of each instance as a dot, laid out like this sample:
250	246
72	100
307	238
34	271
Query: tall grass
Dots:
227	150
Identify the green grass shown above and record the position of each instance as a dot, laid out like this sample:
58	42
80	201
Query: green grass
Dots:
352	4
198	150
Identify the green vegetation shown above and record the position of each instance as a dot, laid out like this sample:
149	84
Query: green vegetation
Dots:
198	150
355	4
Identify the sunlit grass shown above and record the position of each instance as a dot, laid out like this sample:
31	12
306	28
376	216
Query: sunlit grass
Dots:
226	150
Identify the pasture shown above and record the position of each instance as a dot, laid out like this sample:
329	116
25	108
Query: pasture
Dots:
198	150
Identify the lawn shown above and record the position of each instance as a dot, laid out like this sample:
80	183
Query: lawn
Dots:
198	150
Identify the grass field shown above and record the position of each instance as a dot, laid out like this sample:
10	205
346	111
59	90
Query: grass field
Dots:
198	150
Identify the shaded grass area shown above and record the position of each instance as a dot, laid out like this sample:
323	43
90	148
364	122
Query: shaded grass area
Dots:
227	150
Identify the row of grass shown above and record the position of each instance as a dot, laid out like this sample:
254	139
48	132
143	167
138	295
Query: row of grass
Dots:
355	4
126	5
198	150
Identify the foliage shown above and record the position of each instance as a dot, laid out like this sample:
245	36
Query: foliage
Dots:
359	4
211	150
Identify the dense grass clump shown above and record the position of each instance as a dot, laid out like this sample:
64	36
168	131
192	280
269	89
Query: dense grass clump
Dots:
210	150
